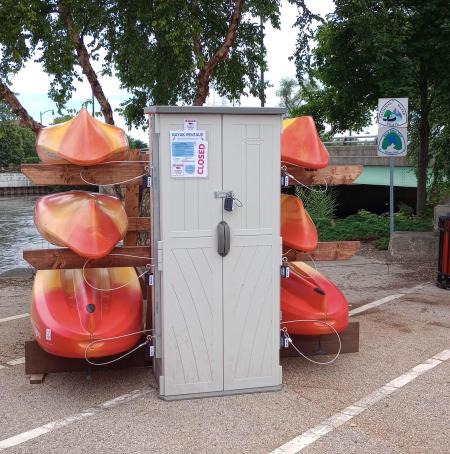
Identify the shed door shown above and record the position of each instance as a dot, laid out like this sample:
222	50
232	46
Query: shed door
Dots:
191	278
251	269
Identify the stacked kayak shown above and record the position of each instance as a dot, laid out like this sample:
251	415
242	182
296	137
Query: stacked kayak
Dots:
306	294
93	312
67	314
297	228
88	223
301	144
83	140
309	295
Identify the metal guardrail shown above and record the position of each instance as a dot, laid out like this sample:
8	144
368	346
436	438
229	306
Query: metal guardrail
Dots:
346	141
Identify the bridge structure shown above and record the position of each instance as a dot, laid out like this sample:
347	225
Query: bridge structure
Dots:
362	150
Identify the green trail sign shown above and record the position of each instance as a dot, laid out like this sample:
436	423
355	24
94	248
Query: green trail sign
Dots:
392	141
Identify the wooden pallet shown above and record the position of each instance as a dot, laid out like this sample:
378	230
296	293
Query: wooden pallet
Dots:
38	362
325	345
326	250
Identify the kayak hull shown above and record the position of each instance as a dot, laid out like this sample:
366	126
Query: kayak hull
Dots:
301	144
90	224
83	140
308	295
67	315
297	228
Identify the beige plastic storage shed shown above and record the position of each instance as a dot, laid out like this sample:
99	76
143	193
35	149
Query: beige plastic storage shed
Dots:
217	276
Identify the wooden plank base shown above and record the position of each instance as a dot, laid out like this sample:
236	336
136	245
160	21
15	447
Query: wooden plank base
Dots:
321	345
38	361
326	250
37	379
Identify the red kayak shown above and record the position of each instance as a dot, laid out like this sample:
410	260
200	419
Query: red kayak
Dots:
88	223
308	295
301	145
83	140
67	314
297	227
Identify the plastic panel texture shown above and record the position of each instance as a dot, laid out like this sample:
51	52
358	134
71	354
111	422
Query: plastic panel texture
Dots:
219	317
191	280
251	164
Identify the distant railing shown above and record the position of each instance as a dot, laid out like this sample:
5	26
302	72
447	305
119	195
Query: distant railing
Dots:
346	141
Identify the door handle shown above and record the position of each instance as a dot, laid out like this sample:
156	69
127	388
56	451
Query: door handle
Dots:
223	235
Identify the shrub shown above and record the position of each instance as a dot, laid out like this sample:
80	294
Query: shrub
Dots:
369	226
320	205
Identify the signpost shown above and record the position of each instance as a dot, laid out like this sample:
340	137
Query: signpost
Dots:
392	139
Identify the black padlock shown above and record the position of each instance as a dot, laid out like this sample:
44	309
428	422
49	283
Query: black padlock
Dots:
228	203
150	279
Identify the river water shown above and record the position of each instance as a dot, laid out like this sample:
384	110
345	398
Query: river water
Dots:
17	230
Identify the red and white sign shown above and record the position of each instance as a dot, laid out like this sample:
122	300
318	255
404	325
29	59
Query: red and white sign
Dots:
189	154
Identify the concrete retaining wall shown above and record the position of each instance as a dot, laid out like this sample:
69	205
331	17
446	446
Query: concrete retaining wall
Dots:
414	246
14	180
16	183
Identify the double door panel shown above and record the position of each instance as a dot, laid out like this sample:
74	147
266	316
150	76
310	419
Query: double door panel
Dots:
218	314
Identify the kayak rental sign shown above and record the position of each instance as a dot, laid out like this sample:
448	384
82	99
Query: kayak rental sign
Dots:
392	127
188	154
393	112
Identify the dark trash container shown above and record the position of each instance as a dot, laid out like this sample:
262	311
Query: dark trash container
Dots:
443	277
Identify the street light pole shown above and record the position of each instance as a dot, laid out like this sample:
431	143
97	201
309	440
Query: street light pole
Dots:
261	37
45	111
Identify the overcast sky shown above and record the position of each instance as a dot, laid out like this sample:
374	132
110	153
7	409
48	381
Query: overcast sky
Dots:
32	83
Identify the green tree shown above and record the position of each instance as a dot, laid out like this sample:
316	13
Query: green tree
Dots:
136	144
17	144
369	49
53	32
290	95
172	52
162	52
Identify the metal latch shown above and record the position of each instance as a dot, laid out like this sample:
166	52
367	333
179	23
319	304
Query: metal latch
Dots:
222	194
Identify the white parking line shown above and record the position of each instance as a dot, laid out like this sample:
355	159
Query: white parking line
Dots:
385	300
58	424
14	317
16	362
328	425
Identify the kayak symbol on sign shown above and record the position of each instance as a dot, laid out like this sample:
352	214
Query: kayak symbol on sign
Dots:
177	170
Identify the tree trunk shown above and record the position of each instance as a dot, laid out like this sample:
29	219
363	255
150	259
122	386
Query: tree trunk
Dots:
204	75
85	63
25	118
424	146
202	88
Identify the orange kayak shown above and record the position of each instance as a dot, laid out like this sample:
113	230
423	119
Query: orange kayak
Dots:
88	223
297	227
301	145
309	295
83	140
67	314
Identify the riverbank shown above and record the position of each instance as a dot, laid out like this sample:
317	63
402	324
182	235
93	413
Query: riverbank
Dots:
18	231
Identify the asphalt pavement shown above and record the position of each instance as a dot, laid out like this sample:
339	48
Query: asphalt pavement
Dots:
394	337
